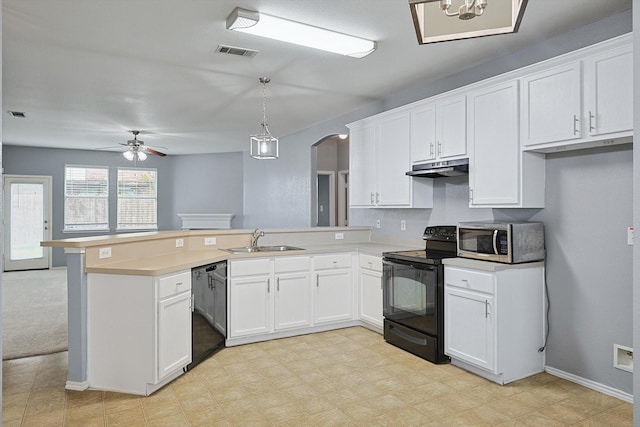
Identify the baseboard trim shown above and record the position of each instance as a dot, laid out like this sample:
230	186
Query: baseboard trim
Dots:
77	385
590	384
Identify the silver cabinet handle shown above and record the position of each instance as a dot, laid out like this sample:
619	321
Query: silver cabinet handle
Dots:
471	194
486	308
591	125
317	280
576	120
278	284
377	197
431	149
439	148
372	198
495	242
268	285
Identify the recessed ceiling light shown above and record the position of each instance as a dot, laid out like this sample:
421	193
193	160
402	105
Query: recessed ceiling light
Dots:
17	114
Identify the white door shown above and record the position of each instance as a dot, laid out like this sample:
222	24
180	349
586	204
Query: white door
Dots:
27	221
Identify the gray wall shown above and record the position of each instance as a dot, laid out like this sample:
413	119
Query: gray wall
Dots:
207	183
588	208
286	193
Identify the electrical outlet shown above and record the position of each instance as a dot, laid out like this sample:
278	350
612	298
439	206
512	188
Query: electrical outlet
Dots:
105	253
339	236
377	223
209	241
629	235
623	357
403	225
179	243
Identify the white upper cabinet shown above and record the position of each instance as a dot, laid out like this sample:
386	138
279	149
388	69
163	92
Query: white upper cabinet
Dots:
378	160
438	129
493	117
552	105
361	161
608	79
585	100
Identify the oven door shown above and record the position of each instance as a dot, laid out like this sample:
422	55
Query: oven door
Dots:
410	295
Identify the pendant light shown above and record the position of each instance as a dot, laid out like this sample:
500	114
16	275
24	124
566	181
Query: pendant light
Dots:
263	145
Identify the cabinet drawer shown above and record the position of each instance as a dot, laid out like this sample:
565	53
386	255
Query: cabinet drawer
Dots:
332	261
370	262
469	279
285	264
174	284
250	267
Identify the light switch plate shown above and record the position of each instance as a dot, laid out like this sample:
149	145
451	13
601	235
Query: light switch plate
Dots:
403	225
339	236
104	253
209	241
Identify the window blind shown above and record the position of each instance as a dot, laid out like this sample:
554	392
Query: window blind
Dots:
86	198
137	199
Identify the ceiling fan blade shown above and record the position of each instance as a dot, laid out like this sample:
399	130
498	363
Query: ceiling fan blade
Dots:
152	151
112	147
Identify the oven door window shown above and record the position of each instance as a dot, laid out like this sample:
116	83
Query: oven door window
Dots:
410	296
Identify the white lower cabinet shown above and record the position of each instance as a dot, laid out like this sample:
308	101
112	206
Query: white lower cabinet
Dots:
267	295
147	341
333	297
494	318
370	286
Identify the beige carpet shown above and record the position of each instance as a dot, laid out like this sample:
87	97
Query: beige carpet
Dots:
34	313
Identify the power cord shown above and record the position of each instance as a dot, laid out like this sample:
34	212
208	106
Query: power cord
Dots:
546	291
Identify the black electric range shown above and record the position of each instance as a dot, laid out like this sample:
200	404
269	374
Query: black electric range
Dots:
413	294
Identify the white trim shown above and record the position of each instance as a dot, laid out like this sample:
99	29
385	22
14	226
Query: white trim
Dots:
343	202
605	389
77	385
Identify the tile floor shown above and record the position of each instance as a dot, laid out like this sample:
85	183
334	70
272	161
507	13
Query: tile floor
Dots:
347	377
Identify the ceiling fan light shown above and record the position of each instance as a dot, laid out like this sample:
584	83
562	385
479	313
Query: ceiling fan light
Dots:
128	155
142	156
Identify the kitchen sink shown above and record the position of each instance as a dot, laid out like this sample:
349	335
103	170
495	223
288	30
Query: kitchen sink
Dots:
250	249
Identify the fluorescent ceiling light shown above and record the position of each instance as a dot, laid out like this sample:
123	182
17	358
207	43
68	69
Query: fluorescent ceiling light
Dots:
444	20
260	24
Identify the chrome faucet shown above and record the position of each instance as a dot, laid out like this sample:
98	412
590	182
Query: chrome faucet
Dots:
254	238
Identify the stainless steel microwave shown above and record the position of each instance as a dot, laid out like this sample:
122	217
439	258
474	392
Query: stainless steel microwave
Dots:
511	243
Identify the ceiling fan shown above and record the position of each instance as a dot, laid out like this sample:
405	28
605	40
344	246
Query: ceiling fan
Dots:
137	150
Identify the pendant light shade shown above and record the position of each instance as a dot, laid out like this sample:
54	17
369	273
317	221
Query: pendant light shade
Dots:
264	146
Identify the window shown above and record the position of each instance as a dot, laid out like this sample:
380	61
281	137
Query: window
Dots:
137	199
86	198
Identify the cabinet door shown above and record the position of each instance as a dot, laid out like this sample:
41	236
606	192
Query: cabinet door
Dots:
609	92
250	305
423	133
292	300
362	165
469	327
332	299
493	140
174	333
451	127
371	296
393	161
552	105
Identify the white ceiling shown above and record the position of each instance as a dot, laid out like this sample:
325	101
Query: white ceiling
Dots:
87	71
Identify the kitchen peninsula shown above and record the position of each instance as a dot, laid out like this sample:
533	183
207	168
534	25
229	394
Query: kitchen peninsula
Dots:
119	286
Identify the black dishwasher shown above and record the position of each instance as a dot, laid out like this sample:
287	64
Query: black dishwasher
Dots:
209	311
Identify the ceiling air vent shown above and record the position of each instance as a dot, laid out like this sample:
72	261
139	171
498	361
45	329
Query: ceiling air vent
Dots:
17	114
238	51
